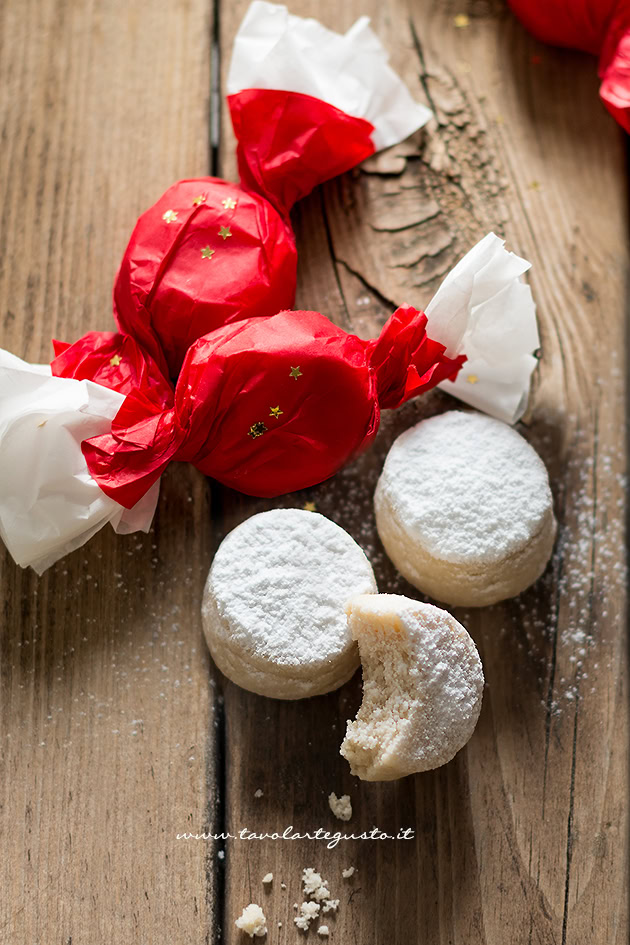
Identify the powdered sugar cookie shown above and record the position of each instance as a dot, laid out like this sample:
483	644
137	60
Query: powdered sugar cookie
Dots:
422	687
464	509
274	604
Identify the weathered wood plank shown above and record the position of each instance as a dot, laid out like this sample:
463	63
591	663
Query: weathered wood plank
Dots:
106	743
523	836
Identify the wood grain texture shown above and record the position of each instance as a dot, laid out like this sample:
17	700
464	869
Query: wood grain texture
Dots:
107	736
111	735
522	838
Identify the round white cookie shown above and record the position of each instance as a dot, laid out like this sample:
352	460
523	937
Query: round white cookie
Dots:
274	604
422	687
464	509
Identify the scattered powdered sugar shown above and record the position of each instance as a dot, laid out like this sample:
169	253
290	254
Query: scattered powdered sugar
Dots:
281	579
467	485
323	931
577	615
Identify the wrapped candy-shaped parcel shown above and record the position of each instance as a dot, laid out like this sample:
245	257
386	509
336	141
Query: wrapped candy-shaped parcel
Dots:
601	27
307	104
266	405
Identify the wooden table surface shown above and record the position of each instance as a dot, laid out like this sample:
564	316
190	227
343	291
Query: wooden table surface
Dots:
117	734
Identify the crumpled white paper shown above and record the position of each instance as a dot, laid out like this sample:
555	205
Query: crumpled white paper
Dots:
49	503
484	310
275	50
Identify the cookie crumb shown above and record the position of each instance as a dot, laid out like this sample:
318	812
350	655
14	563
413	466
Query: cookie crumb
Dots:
308	912
314	886
330	905
340	806
348	873
323	930
267	879
258	793
253	921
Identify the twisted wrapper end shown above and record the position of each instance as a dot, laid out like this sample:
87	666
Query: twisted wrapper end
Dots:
49	503
406	361
484	310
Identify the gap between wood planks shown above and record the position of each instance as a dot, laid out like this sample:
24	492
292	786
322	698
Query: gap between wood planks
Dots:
215	812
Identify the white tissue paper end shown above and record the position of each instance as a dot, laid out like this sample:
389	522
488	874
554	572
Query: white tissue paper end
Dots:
49	503
275	50
484	310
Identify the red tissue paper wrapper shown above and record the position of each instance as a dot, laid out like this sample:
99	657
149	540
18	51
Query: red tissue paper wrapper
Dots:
601	27
266	406
306	104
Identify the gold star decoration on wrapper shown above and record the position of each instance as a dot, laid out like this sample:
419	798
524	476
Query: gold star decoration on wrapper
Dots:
199	200
257	429
207	252
229	203
170	216
472	378
224	232
275	412
309	507
115	361
461	21
295	372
